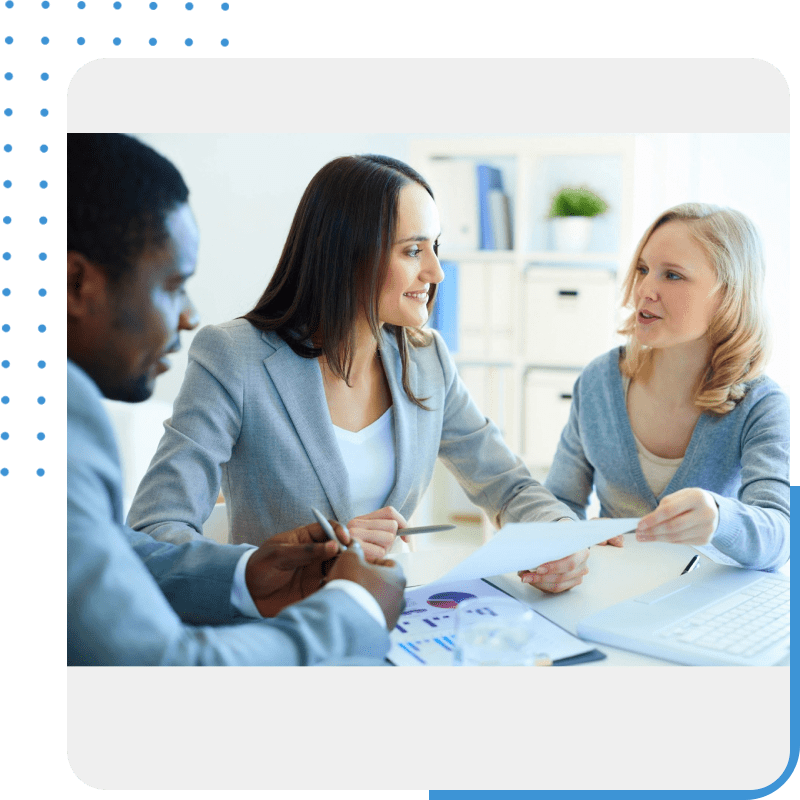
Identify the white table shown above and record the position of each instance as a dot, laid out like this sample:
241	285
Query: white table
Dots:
615	574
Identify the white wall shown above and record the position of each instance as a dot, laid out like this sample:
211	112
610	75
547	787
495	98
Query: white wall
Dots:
245	188
746	171
244	191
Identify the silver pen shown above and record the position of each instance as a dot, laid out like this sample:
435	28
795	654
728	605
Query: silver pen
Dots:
425	529
326	526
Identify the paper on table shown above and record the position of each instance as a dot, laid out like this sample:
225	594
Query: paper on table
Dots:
715	555
525	545
425	632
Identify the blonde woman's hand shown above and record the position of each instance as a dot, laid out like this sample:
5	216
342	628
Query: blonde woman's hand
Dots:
688	516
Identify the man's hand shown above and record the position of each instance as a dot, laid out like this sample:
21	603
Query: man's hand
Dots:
383	579
288	567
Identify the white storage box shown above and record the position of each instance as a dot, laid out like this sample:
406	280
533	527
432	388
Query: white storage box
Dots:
569	315
548	398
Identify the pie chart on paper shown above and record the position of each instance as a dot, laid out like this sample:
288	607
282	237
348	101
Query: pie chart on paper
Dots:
448	599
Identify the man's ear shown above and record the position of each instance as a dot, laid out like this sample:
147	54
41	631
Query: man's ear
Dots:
87	285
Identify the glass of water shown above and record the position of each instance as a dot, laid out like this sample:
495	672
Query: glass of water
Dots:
496	632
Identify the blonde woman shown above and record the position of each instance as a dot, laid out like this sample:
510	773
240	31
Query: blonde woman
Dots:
681	427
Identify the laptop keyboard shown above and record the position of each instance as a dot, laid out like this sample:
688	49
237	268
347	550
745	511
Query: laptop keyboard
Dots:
742	624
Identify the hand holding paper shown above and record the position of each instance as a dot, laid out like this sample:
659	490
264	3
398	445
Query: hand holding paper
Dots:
615	541
523	545
558	576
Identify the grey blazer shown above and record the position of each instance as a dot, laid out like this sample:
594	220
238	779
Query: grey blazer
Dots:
252	417
130	597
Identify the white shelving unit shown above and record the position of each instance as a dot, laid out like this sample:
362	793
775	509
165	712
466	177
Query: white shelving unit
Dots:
530	318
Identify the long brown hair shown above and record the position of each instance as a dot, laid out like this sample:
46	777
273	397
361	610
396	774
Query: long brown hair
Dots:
334	263
739	333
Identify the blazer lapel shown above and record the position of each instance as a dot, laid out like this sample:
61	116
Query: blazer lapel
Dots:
405	420
299	384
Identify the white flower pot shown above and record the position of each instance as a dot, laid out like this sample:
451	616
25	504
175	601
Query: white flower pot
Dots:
572	234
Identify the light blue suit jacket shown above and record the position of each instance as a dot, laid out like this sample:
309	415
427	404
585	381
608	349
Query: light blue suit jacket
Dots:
252	418
130	597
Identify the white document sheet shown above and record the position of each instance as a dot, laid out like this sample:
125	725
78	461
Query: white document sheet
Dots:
525	545
715	555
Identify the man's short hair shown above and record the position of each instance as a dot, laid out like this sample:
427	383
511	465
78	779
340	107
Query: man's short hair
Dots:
119	192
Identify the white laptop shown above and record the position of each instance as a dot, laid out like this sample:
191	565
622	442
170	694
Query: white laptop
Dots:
714	615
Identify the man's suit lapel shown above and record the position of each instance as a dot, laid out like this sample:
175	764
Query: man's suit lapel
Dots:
299	384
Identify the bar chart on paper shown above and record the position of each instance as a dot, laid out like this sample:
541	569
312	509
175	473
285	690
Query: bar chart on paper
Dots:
424	634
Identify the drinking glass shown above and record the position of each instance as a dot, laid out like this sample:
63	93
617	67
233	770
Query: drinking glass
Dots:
496	632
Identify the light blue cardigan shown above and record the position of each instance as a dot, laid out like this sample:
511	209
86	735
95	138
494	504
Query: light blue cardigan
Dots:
742	458
251	416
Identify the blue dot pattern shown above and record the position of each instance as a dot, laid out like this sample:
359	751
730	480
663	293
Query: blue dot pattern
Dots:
103	33
47	48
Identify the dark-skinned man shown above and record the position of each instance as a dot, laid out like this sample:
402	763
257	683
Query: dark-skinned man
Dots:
131	247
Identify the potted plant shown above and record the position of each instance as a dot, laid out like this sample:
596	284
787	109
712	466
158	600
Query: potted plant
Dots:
572	212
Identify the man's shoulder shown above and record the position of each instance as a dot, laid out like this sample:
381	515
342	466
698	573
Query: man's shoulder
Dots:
87	420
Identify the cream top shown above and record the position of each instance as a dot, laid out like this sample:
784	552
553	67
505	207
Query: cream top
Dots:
657	471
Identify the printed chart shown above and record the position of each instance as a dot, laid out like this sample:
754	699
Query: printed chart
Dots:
424	633
448	599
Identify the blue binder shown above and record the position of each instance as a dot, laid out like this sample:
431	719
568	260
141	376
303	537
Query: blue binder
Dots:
488	178
445	310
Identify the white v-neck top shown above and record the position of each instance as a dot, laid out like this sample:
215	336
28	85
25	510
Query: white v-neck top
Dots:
369	457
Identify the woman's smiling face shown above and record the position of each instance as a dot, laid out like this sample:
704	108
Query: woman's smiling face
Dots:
413	262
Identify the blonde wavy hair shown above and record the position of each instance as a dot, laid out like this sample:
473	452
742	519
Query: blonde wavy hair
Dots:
739	332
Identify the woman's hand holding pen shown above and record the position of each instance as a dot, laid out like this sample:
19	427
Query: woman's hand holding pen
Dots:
377	531
688	516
